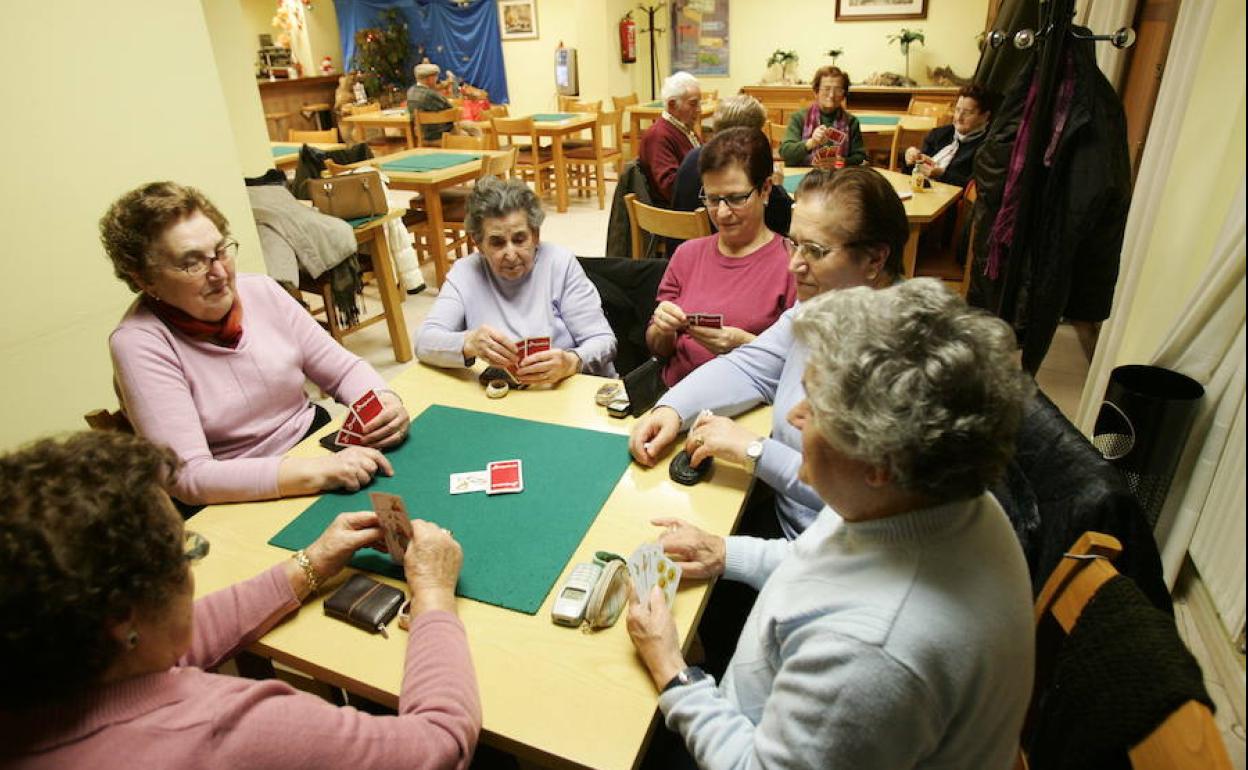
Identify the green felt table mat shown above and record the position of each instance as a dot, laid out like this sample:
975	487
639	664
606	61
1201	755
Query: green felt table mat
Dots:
514	545
791	181
552	117
432	162
280	151
653	104
358	221
879	120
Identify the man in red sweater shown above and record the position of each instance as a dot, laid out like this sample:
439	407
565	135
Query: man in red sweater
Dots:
670	138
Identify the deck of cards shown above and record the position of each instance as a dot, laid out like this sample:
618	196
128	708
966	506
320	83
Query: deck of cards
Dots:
366	407
709	320
650	567
499	478
395	523
530	345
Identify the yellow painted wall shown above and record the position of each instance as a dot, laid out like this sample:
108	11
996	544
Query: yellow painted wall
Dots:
231	40
1199	190
323	35
135	97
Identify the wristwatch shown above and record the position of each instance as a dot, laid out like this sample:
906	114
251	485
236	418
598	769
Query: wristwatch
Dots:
685	676
753	451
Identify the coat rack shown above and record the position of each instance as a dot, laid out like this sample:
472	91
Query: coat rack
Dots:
1027	38
651	10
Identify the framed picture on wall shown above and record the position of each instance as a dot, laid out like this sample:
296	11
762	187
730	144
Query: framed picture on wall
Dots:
518	19
871	10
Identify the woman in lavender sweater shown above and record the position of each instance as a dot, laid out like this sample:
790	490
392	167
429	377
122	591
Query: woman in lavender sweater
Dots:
107	656
213	364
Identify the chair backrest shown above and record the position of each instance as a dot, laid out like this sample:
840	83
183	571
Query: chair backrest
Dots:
1188	738
496	111
572	105
775	133
682	225
334	169
456	142
563	102
622	103
328	136
357	109
500	165
939	109
449	115
102	419
909	133
512	127
965	207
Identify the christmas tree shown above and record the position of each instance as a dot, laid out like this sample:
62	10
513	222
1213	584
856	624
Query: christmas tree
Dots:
382	55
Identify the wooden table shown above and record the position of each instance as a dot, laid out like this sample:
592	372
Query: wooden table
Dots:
790	99
557	130
290	160
552	695
922	207
429	184
396	117
650	112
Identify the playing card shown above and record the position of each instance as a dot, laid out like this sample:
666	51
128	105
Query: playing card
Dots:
347	438
836	136
668	578
471	481
395	523
367	407
352	424
536	345
505	476
643	567
709	320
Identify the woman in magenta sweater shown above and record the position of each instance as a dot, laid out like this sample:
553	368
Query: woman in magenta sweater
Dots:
107	656
213	364
740	274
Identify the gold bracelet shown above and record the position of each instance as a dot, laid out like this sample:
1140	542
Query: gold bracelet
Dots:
305	564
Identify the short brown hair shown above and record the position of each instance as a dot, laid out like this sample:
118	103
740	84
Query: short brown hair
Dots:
740	110
829	71
140	217
984	99
744	147
89	535
871	209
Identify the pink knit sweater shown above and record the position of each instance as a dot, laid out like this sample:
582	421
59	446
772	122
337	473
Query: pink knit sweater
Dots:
231	414
188	718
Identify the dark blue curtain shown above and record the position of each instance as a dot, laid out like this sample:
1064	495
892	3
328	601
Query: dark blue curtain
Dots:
461	38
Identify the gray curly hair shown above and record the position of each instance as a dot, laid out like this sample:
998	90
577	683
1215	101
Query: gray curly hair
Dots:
912	379
492	198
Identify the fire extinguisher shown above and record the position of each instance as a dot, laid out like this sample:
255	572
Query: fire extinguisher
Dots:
628	38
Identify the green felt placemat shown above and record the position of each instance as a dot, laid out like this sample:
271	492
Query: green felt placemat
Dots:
879	120
358	221
432	162
514	545
654	104
280	151
791	181
552	117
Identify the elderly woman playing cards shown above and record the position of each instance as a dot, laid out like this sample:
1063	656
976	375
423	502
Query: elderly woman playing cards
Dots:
212	363
108	657
518	303
897	634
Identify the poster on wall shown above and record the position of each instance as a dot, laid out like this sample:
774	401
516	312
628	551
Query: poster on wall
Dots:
700	36
863	10
518	19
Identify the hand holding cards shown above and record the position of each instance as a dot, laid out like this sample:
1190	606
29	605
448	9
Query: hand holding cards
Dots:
363	411
395	523
649	567
709	320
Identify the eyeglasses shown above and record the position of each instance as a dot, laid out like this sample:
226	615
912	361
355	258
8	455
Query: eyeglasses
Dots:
194	546
734	200
198	264
814	252
828	90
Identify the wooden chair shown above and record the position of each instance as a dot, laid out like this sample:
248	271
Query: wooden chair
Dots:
273	121
1188	739
457	142
942	261
440	117
328	136
533	162
595	157
683	225
941	110
626	140
909	133
102	419
775	134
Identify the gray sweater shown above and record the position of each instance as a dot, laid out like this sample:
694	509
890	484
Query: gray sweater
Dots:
903	642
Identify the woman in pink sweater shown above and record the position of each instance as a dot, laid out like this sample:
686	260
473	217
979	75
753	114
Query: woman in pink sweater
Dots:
107	657
213	365
739	276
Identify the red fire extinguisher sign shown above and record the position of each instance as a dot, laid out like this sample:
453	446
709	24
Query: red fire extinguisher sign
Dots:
628	39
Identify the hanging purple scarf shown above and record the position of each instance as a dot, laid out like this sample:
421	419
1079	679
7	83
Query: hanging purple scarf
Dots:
814	118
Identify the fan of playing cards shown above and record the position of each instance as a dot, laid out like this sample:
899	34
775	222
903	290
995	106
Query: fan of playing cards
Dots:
530	345
650	567
366	407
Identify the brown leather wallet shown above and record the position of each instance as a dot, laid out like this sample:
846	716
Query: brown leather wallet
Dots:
364	602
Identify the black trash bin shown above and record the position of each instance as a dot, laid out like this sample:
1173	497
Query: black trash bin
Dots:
1142	428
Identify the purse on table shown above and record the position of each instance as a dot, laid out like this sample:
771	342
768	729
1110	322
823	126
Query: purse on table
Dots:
364	602
349	196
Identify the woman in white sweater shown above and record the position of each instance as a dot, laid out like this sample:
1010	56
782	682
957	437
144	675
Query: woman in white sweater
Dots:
898	635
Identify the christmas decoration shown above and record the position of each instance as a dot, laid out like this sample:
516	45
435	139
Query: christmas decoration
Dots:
382	55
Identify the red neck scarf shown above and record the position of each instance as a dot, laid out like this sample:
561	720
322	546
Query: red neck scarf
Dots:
226	332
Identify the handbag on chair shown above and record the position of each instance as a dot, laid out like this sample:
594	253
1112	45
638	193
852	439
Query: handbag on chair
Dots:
349	196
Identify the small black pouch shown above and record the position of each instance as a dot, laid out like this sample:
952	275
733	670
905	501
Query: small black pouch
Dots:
644	385
364	602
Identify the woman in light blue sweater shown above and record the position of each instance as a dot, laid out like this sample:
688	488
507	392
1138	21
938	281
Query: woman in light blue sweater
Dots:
899	634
